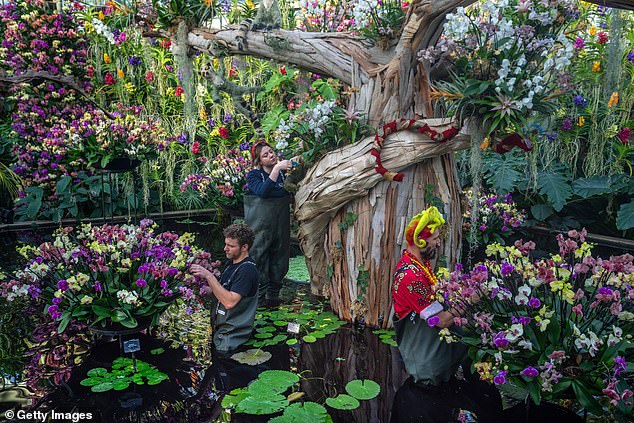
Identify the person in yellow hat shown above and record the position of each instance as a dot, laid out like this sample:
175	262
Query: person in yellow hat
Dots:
433	393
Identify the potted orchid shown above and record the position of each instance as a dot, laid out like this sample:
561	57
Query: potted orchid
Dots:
556	326
111	275
498	217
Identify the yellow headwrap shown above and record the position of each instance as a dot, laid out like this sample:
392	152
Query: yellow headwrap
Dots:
430	218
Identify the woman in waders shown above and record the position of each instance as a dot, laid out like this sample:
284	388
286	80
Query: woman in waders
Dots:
267	212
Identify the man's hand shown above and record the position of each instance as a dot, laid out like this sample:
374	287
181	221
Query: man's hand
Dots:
200	272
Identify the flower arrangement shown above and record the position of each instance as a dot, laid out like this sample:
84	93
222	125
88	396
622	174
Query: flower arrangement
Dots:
228	175
550	326
498	217
507	58
112	274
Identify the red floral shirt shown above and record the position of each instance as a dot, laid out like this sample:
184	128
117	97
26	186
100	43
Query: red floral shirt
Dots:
412	287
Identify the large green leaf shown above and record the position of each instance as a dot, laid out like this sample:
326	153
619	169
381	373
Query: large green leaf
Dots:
541	211
625	216
585	398
237	395
363	389
501	171
556	187
252	357
595	185
278	379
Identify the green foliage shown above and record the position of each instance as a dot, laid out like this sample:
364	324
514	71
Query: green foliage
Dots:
556	187
303	412
363	281
502	171
343	402
271	325
347	220
363	389
387	336
125	371
625	217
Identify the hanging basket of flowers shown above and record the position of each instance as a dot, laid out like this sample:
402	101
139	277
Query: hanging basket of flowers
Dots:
113	277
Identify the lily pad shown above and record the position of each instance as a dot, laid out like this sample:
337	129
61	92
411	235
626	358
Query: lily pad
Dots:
291	341
318	334
120	385
259	406
280	323
306	412
102	387
91	381
97	372
343	402
157	351
266	329
232	400
252	357
263	335
309	338
280	378
365	389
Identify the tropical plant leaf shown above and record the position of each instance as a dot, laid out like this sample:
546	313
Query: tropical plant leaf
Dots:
97	372
541	211
309	338
595	185
279	378
625	216
363	389
556	187
501	171
343	402
306	412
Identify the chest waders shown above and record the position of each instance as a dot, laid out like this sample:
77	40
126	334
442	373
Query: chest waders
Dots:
270	219
427	358
232	328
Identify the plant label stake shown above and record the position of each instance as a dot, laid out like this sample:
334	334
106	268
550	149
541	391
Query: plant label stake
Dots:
293	327
132	346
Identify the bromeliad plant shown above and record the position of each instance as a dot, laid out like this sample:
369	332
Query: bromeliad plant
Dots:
112	274
507	58
551	326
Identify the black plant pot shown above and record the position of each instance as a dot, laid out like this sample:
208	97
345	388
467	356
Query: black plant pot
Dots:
122	164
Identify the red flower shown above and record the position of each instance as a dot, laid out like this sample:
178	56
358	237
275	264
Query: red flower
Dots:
90	71
625	135
109	79
223	132
404	5
233	73
179	91
283	70
166	44
149	76
195	147
603	37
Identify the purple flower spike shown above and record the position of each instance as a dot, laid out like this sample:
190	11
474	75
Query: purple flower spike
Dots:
141	282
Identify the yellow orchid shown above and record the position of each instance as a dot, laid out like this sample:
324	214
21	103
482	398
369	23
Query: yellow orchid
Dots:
614	99
493	249
582	121
596	66
593	30
106	58
584	251
101	16
120	73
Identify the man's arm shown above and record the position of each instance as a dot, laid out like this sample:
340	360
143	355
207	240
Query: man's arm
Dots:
228	299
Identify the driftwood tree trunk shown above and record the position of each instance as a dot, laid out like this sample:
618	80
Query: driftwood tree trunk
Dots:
389	84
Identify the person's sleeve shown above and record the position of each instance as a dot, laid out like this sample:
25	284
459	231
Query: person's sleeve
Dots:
413	300
246	280
258	187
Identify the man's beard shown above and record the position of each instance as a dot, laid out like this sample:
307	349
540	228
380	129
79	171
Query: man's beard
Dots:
427	254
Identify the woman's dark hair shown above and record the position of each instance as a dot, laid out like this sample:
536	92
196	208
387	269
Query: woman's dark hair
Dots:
240	232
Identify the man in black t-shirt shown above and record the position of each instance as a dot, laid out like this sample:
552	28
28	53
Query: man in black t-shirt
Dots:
235	294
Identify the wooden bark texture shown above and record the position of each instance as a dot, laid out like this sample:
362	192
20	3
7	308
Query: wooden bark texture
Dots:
345	181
